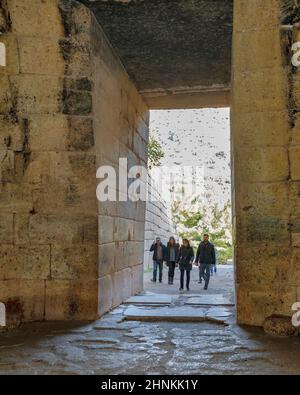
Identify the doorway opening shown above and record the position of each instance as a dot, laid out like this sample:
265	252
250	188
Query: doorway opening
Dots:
190	195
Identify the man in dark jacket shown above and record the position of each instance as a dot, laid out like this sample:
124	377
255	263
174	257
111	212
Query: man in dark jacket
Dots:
205	257
159	253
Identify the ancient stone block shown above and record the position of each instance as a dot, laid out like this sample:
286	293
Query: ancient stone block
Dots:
122	286
37	94
24	262
279	326
105	294
24	300
77	102
137	279
295	163
40	56
106	229
71	300
106	259
262	164
6	228
78	262
21	14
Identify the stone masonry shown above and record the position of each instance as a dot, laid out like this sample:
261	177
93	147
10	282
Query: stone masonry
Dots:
66	107
265	146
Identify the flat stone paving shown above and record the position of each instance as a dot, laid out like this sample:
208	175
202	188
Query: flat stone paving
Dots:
112	345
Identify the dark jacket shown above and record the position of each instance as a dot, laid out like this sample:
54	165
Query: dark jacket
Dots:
185	258
168	252
206	254
154	250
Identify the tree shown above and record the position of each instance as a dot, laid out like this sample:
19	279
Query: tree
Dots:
195	216
155	153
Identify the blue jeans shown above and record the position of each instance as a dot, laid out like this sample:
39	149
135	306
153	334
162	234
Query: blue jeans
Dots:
205	273
213	269
157	265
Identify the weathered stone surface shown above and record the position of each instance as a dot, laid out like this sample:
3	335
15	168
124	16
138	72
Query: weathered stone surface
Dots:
279	326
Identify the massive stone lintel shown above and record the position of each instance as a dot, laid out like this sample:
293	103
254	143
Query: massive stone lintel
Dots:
166	45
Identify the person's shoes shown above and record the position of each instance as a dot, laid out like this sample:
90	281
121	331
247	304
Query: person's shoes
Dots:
153	281
188	289
199	282
205	288
180	289
160	281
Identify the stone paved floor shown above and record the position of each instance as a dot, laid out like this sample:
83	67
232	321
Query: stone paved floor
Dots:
114	346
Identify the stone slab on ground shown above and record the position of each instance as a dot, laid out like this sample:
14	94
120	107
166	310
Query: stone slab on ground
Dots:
209	300
154	299
175	314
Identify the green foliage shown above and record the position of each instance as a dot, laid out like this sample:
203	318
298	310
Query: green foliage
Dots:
193	218
155	153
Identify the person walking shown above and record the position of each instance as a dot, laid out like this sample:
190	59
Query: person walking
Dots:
172	252
185	260
159	252
206	257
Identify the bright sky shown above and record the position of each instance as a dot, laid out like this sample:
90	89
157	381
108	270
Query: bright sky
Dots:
197	138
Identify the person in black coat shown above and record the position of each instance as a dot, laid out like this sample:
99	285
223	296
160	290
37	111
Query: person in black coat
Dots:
159	253
172	252
185	260
206	257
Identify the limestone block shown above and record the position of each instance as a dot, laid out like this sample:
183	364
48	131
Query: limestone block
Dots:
78	262
37	94
137	279
105	295
60	133
258	266
259	89
122	255
124	229
73	167
6	228
279	326
45	229
11	134
139	231
296	239
295	163
262	164
261	230
24	300
263	199
12	52
256	15
294	197
5	95
30	262
77	102
16	198
44	21
77	57
264	47
106	259
40	56
253	129
75	198
122	286
106	229
71	300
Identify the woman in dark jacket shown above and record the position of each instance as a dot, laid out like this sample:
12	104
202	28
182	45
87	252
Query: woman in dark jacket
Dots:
185	259
172	252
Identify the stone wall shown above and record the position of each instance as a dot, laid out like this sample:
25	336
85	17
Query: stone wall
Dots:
66	107
265	137
158	221
121	127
